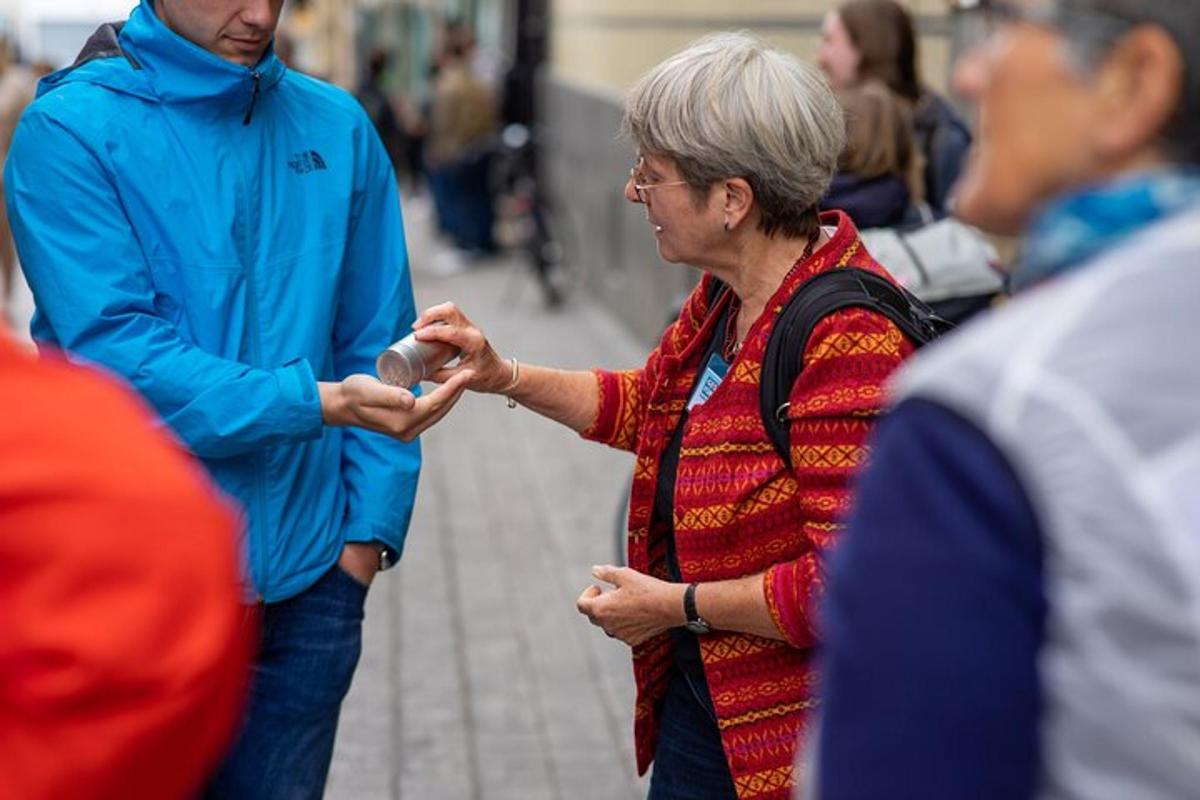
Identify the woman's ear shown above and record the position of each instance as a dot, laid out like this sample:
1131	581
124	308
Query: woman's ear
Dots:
739	200
1140	87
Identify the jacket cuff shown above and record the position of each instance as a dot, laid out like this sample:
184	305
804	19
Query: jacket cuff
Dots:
363	531
603	426
301	400
787	606
616	417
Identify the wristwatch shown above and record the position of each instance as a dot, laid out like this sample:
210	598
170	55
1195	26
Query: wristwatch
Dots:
387	556
695	623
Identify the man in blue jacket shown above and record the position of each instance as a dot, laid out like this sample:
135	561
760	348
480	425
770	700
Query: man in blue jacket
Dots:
226	235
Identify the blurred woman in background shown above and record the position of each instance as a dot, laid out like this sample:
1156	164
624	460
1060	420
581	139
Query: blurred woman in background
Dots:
874	182
863	40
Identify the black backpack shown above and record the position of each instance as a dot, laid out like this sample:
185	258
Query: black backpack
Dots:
815	299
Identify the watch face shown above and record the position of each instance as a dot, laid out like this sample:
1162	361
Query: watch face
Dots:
387	558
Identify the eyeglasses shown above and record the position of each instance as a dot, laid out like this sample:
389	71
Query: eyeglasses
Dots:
640	189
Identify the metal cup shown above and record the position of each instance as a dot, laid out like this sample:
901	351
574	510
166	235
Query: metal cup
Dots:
408	362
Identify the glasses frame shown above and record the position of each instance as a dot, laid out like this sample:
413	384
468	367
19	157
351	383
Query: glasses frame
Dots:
640	189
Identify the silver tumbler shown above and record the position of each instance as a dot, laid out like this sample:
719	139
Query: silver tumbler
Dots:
408	362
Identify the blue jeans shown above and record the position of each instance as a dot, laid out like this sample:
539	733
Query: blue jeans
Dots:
309	647
689	763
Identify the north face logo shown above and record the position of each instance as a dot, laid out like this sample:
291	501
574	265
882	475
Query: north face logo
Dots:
306	161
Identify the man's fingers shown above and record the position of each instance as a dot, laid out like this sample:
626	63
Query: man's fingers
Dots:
404	400
448	393
436	413
366	390
430	408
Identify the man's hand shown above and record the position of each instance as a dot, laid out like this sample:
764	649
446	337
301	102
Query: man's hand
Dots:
360	560
365	402
638	608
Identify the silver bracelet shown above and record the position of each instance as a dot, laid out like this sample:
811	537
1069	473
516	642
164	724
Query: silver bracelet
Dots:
516	378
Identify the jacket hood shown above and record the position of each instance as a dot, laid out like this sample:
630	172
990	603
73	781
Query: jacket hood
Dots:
155	63
881	202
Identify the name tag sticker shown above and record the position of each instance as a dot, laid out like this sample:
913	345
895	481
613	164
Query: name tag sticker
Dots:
714	372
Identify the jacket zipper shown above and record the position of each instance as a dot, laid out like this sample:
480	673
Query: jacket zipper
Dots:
257	76
262	562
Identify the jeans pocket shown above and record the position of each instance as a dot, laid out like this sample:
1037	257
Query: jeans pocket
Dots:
341	571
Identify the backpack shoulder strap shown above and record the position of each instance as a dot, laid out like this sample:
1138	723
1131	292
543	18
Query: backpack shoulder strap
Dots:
715	287
817	298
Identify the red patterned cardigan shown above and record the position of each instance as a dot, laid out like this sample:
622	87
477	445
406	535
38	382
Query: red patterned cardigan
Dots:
739	511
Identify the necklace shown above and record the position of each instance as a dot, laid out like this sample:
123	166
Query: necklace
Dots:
732	345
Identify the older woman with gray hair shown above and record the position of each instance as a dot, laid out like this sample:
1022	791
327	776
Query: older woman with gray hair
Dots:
735	143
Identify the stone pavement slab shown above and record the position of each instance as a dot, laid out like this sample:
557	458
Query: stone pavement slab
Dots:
478	679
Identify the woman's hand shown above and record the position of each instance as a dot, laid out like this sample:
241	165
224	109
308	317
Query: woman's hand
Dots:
636	609
489	372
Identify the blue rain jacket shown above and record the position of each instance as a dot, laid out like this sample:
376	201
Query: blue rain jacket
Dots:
223	238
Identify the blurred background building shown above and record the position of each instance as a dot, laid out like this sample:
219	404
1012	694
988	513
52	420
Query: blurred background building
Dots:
578	57
565	62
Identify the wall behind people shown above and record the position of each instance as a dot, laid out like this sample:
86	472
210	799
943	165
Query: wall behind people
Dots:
608	43
597	48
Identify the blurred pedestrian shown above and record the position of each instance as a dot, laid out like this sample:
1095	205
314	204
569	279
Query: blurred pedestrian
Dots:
487	64
226	235
873	184
458	149
1011	614
865	40
17	86
125	648
725	538
381	110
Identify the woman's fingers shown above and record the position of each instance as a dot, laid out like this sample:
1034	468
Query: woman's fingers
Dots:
443	312
446	373
462	338
587	602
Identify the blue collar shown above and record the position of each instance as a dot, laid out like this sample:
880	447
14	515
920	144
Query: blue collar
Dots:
1073	230
181	71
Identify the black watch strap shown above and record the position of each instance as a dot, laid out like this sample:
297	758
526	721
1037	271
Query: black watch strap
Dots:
695	623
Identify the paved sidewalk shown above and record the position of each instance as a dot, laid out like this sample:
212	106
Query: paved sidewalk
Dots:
478	678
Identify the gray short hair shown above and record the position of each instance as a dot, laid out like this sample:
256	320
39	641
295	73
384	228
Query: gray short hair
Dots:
730	106
1180	19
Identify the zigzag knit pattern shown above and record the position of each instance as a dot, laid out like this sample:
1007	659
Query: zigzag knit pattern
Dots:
739	511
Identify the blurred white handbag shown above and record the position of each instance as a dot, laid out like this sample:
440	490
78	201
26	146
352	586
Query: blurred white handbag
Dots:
939	261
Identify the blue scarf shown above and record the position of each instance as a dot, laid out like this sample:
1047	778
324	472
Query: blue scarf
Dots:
1073	230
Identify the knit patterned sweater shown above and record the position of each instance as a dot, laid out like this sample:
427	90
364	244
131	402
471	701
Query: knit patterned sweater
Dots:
740	511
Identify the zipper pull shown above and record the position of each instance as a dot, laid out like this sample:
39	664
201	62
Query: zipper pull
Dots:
257	76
